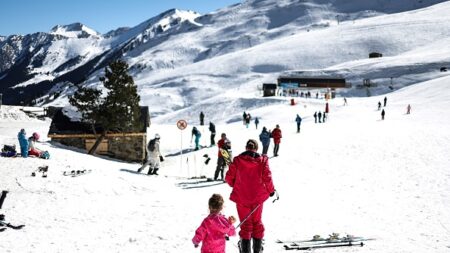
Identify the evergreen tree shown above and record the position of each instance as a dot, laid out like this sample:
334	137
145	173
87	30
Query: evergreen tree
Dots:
117	111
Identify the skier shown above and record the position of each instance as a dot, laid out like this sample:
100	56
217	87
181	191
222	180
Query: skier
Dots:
247	120
244	117
212	129
379	105
251	179
315	117
382	114
319	116
327	108
197	134
23	143
214	228
385	101
224	145
154	156
298	119
32	150
324	116
345	101
264	137
256	122
276	135
202	118
408	109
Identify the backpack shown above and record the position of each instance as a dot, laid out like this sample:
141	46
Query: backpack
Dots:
151	145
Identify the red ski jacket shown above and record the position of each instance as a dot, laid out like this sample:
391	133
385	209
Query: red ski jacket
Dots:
276	135
250	176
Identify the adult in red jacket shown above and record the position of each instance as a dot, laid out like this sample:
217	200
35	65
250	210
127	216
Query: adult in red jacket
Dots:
250	176
276	135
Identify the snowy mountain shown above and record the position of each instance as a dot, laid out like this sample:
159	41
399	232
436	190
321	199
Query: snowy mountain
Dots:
75	30
236	49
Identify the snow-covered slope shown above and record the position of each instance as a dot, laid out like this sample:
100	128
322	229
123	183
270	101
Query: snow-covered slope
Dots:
239	47
354	174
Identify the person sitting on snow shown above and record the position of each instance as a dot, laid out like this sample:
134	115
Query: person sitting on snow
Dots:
32	150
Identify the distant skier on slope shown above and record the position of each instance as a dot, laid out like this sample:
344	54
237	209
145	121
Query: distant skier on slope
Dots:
154	156
298	119
276	135
264	137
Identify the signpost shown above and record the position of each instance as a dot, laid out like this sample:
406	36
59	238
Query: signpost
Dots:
181	124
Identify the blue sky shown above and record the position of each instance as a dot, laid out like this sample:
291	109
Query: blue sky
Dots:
29	16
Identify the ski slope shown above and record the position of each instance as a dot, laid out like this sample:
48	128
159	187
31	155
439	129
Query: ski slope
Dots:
354	174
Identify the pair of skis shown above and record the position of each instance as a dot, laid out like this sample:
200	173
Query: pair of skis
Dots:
4	226
318	242
76	173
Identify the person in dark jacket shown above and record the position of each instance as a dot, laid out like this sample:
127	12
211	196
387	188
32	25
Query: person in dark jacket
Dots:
298	119
385	101
382	114
264	137
251	179
256	122
324	116
212	129
379	105
202	118
319	116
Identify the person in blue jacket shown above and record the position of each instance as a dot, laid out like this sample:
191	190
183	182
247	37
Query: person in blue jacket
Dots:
196	133
22	136
298	119
264	137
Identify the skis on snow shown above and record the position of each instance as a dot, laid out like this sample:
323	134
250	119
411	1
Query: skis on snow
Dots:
4	225
318	242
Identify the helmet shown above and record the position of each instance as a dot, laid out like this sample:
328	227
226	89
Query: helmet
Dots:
36	136
157	136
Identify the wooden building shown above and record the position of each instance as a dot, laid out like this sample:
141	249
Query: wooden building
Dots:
311	82
269	89
375	55
294	83
128	146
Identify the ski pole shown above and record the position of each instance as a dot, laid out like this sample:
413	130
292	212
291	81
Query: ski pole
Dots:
2	198
246	217
277	198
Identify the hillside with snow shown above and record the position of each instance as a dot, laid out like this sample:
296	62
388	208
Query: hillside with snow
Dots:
355	174
234	50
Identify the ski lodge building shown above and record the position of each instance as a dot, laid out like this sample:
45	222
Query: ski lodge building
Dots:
127	146
297	83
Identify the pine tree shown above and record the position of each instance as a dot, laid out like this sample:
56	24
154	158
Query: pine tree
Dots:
118	111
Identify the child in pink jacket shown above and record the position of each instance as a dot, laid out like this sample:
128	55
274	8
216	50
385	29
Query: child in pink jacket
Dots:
214	228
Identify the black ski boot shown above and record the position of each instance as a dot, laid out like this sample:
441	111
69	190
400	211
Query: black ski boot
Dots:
150	171
257	245
155	171
244	246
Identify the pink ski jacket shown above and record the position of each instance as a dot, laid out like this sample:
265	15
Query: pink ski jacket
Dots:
250	176
212	233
